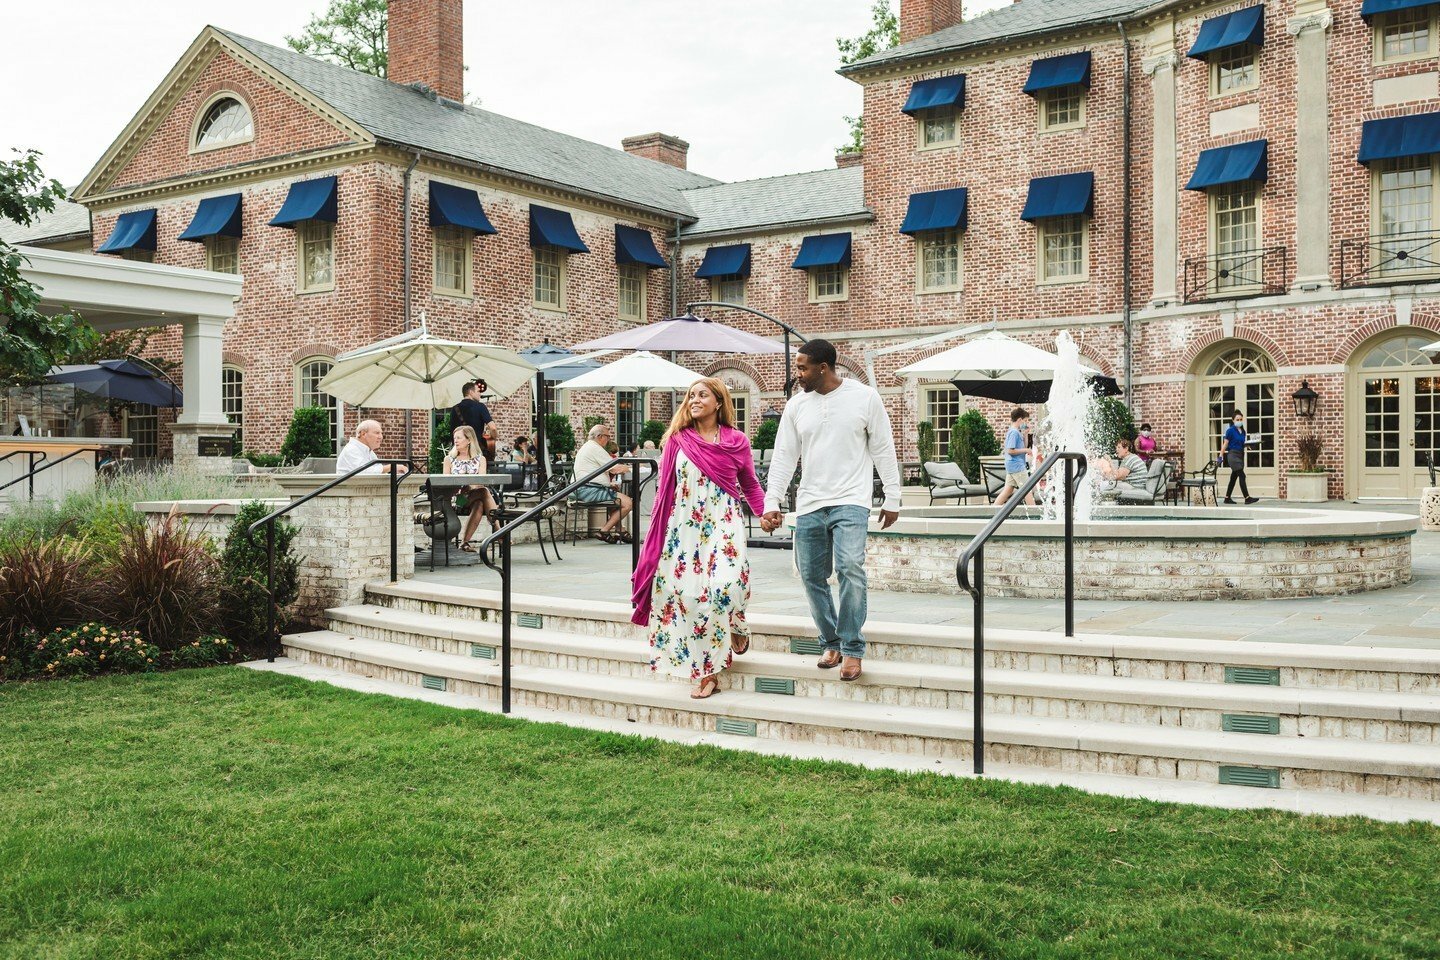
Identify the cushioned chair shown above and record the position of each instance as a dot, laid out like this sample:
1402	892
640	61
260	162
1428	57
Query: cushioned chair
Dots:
1201	480
948	482
1154	489
992	474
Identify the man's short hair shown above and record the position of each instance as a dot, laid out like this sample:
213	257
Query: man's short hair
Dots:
1018	414
821	351
481	385
1122	442
365	425
597	430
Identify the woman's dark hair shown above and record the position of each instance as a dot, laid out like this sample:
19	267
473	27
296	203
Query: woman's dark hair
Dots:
1236	413
522	439
821	351
1144	426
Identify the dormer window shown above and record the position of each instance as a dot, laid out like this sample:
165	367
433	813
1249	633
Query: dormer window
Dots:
225	122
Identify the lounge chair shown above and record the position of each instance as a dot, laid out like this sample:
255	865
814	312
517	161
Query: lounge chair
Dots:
1154	489
948	482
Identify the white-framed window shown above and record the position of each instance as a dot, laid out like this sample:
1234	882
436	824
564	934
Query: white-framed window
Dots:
1064	248
1404	34
829	283
938	127
556	400
729	288
315	250
308	374
223	122
232	401
452	261
1235	235
630	278
222	254
1234	69
938	253
137	255
549	288
1062	108
1403	215
742	411
142	426
943	406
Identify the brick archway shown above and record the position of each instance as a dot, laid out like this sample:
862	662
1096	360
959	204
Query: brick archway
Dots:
313	350
1368	331
1204	345
717	367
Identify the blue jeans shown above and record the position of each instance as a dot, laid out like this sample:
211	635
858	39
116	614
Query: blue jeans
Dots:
835	536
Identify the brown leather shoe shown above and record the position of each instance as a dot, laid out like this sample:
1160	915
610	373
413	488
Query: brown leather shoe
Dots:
851	670
828	659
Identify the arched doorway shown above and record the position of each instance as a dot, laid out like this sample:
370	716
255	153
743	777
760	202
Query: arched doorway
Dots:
1235	376
1394	399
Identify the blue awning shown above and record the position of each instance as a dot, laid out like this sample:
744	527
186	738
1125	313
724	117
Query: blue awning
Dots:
133	231
935	210
825	250
1231	30
554	228
1052	72
1063	196
633	245
452	206
726	262
1412	136
215	217
307	200
1242	161
939	92
1371	8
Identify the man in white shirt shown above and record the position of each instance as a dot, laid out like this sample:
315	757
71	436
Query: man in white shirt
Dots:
840	430
360	450
592	456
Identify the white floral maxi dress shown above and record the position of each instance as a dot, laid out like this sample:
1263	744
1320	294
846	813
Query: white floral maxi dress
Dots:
702	582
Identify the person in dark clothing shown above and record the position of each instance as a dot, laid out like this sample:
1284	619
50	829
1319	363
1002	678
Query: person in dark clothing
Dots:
470	412
1232	449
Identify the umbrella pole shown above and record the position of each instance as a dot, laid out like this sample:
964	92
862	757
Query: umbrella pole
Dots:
543	460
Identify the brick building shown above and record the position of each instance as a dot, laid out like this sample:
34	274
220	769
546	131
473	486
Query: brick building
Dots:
1136	172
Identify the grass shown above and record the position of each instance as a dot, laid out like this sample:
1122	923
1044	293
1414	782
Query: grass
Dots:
226	813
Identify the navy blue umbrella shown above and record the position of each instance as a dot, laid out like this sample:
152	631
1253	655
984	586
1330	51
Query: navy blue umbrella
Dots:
118	380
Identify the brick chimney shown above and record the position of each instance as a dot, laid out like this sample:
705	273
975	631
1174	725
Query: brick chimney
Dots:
850	158
425	46
920	18
660	147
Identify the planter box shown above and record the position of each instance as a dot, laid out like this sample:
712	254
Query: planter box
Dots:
1307	488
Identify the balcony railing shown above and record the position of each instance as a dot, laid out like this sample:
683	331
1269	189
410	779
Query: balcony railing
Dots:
1390	258
1241	273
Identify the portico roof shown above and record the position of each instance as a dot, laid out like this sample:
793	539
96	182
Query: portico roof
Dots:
113	294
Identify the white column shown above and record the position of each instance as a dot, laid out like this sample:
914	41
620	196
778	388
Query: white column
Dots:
1165	212
1312	146
204	356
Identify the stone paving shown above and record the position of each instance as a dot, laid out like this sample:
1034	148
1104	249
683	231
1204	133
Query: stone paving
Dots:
1405	616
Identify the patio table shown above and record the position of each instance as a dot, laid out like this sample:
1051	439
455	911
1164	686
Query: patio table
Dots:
441	488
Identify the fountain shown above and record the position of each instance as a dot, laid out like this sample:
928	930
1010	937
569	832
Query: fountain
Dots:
1067	425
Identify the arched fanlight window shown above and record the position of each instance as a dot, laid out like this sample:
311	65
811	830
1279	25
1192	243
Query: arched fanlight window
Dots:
1241	361
226	121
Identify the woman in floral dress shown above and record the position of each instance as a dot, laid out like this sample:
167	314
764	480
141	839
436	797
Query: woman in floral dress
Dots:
693	581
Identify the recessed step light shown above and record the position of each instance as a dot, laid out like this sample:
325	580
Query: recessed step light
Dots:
1267	777
1249	723
1268	676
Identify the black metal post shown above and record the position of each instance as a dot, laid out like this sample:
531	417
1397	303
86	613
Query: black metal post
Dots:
788	380
272	634
395	477
31	482
978	747
635	515
1069	551
505	623
542	453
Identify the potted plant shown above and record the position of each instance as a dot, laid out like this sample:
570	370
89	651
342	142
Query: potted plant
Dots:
1308	482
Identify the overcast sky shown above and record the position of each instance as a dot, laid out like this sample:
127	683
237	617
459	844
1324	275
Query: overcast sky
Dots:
750	83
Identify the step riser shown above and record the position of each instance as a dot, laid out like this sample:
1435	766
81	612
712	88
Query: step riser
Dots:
1086	761
1135	668
1382	731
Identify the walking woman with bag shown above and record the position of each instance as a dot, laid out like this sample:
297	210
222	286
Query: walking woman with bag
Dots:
692	585
1232	450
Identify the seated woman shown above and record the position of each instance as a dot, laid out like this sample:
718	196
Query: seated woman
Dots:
466	459
1129	469
523	452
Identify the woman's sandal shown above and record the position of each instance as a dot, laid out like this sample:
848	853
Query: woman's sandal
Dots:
739	645
606	537
468	546
712	682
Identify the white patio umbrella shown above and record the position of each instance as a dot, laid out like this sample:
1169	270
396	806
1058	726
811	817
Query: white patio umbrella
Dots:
416	371
641	370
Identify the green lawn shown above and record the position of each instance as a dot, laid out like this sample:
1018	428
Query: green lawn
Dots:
226	813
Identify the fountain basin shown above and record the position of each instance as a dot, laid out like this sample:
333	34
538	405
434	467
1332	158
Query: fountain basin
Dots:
1169	553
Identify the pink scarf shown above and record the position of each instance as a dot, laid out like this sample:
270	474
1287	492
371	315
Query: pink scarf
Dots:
728	464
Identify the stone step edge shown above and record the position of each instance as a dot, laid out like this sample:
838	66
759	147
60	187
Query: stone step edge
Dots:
1177	743
1292	701
1227	652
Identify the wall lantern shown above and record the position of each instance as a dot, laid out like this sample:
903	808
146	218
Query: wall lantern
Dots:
1305	399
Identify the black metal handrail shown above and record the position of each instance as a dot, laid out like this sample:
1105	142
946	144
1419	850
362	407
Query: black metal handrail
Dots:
502	536
1242	273
976	552
268	521
1389	258
45	463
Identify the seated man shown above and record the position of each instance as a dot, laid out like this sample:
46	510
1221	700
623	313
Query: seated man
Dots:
1129	468
361	448
592	456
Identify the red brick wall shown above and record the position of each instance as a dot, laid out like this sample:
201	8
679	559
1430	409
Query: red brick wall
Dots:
424	45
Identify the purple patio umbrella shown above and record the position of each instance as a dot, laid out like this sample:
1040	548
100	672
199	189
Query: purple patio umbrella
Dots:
687	333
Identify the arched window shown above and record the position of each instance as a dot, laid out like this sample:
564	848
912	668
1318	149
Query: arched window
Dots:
1398	352
745	394
308	374
1239	362
1242	378
232	401
226	121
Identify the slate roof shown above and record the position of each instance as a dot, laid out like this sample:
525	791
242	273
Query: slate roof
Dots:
66	220
771	201
1012	21
400	114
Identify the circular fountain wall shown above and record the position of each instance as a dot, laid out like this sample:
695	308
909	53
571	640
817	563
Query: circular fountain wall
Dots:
1170	553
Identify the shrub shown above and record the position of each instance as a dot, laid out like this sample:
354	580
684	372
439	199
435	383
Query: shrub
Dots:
89	649
1309	450
765	434
247	605
203	652
925	441
971	437
652	430
559	435
309	435
165	582
263	459
589	422
44	584
442	426
1110	422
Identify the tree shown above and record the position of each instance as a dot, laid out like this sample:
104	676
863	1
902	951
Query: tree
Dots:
1110	420
309	435
350	33
971	438
30	341
925	441
765	434
883	34
559	435
652	430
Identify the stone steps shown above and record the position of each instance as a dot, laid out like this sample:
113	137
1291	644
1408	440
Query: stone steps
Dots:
1163	752
1310	712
